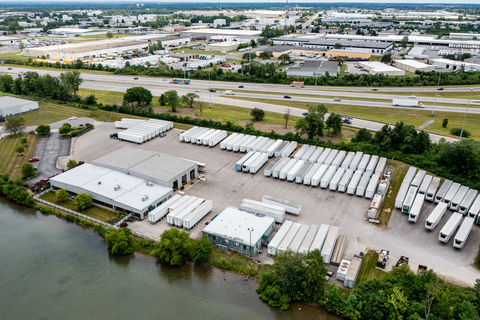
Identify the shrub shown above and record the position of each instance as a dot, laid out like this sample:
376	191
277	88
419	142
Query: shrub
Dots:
62	195
75	133
257	114
83	201
445	123
458	131
119	241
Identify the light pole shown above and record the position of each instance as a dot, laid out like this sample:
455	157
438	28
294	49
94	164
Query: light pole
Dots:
250	230
434	101
209	92
465	118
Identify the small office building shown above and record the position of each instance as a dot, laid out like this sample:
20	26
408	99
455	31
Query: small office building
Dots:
10	106
230	230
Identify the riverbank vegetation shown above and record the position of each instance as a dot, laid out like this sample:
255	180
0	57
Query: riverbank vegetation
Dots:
10	161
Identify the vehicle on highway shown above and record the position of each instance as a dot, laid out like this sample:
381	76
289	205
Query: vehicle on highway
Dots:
337	99
407	103
375	89
412	97
197	90
165	80
135	78
72	118
163	134
229	93
212	90
304	113
287	97
476	101
241	87
9	68
34	159
181	81
441	88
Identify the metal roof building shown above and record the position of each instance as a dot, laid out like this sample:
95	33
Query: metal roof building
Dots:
10	106
113	189
160	168
230	230
374	68
312	68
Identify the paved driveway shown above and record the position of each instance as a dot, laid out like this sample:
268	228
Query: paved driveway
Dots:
48	150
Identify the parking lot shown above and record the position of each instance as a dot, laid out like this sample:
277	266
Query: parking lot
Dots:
227	187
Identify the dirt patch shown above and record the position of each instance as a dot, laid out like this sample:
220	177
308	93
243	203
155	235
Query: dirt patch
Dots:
180	111
347	133
116	101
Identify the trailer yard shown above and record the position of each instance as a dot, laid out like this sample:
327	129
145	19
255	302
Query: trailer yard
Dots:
225	186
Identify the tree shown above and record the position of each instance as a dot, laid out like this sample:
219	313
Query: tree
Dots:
313	124
200	107
257	114
64	129
23	140
27	169
62	195
174	246
189	98
334	122
71	81
19	149
262	41
83	201
253	44
119	241
109	35
21	45
71	163
363	135
249	56
162	100
140	95
445	123
43	129
201	250
264	56
286	115
172	100
386	58
337	46
397	304
404	42
285	58
14	125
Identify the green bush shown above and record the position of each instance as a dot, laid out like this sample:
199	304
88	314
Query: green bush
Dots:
458	131
119	241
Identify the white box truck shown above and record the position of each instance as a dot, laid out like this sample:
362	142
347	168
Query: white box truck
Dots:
467	201
362	185
432	189
416	208
277	239
336	179
459	196
463	233
443	191
372	186
450	227
352	185
436	216
408	202
343	184
407	103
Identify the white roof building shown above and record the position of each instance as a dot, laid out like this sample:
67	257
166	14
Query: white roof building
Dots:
10	106
454	65
374	67
412	66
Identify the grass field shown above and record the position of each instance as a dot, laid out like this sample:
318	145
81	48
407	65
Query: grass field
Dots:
10	162
441	94
65	68
13	55
94	211
368	269
415	117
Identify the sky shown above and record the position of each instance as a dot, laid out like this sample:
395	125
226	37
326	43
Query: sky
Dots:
256	1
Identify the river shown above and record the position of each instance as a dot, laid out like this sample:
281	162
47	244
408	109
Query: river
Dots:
54	269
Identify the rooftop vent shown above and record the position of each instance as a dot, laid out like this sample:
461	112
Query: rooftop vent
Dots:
116	187
149	184
99	182
145	197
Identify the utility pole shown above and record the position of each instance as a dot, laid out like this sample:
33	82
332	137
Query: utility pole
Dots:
434	101
209	92
465	118
250	230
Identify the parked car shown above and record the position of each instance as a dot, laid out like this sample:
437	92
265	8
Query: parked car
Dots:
287	97
337	99
412	97
241	87
34	159
44	180
212	90
72	118
163	134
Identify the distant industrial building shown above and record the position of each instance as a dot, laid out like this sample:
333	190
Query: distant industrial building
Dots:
230	230
454	65
322	43
225	45
10	106
314	68
469	36
119	191
349	54
221	34
380	68
159	168
102	48
417	53
412	66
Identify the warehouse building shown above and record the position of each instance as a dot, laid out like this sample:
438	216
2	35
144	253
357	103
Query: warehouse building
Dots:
380	68
113	189
412	66
159	168
314	68
323	43
225	45
454	65
10	106
349	54
468	36
102	48
221	34
230	230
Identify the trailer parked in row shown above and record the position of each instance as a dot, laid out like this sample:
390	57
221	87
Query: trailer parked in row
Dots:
450	227
273	147
259	162
336	178
410	175
301	152
198	214
425	184
303	171
432	190
266	146
232	137
417	181
352	185
372	186
281	164
463	233
243	145
267	209
436	216
337	162
239	164
475	208
443	191
171	215
283	173
452	192
382	162
362	185
356	160
329	244
287	240
371	165
318	152
327	177
292	146
348	159
320	237
402	193
292	174
232	141
307	242
178	218
459	196
217	138
281	147
407	204
250	161
299	237
324	155
307	178
331	157
309	153
268	170
416	208
343	184
162	210
363	163
467	201
317	177
290	206
279	236
236	145
250	146
188	133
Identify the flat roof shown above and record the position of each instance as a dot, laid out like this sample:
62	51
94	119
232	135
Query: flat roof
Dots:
149	163
378	66
225	43
287	48
413	63
226	32
348	43
351	50
7	102
316	65
233	224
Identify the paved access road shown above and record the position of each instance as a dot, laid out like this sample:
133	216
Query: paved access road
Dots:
48	150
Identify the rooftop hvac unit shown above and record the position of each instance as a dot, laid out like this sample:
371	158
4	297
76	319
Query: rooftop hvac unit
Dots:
145	197
149	184
99	182
116	187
